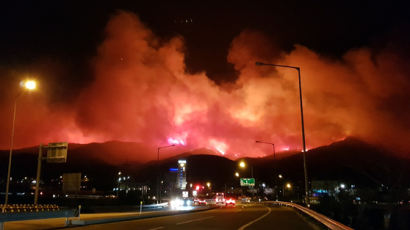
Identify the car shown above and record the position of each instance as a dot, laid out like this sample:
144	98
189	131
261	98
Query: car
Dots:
230	201
178	204
200	202
220	198
245	199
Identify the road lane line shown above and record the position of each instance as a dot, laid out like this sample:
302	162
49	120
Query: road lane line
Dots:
160	227
255	220
190	221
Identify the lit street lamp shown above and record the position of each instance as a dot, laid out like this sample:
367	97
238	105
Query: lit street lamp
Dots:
158	179
28	85
288	186
303	123
236	174
242	164
273	147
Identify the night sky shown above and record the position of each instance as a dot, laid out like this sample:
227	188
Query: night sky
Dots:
69	31
68	47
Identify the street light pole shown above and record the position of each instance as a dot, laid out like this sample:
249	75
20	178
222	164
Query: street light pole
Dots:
10	154
273	147
159	172
28	85
303	123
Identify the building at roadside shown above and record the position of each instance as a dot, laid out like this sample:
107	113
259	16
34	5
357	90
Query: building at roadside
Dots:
181	175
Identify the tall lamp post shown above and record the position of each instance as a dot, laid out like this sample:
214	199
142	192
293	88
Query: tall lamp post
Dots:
26	85
273	147
303	123
159	176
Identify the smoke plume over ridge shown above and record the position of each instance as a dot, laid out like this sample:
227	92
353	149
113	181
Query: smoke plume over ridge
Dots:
142	92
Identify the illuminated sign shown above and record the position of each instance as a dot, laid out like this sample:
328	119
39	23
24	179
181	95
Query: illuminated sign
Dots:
247	181
184	194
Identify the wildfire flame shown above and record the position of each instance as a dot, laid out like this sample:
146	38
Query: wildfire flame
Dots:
142	92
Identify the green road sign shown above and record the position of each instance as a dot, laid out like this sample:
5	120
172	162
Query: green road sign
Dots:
247	181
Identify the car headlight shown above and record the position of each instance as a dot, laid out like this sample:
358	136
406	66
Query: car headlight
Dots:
176	203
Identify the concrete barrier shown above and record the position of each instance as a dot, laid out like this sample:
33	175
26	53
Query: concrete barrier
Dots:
15	216
104	220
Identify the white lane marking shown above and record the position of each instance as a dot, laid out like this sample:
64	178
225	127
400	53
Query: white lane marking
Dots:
160	227
190	221
255	220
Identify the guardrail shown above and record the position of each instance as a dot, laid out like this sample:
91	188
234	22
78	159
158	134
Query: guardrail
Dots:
17	212
331	224
11	208
155	206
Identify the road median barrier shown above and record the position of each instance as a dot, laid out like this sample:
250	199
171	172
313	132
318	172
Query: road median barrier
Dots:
135	216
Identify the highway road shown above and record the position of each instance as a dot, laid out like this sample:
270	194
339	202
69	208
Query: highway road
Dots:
252	216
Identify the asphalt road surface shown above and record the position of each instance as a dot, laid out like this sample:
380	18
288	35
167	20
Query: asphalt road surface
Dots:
237	218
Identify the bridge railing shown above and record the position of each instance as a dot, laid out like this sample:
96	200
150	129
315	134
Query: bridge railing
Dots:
15	212
329	223
12	208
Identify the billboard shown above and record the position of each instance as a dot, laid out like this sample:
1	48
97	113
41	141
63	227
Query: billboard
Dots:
71	182
57	152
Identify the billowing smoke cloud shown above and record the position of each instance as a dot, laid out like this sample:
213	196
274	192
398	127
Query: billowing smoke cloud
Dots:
142	93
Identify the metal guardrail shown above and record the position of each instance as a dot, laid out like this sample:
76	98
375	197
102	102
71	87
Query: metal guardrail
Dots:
331	224
31	212
155	206
12	208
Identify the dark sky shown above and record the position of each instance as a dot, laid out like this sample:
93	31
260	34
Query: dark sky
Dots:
70	31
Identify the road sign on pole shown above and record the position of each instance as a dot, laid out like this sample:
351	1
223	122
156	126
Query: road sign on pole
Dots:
57	152
247	181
